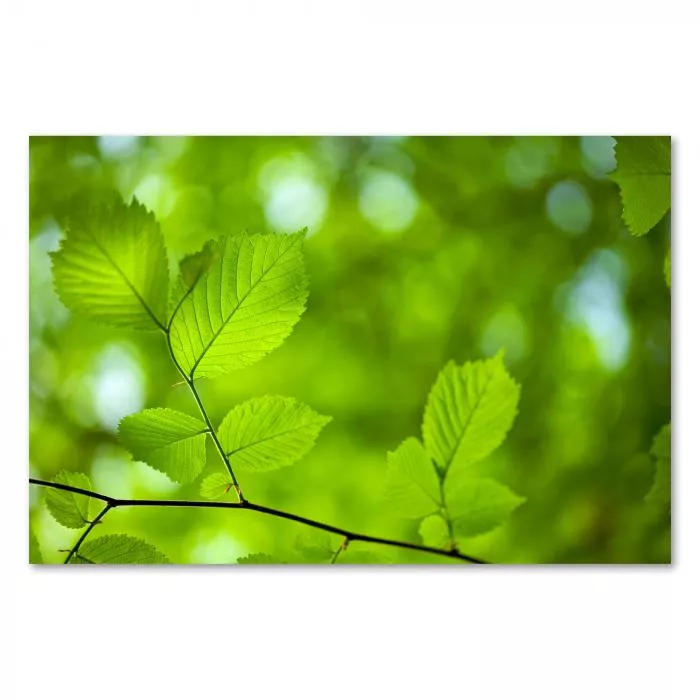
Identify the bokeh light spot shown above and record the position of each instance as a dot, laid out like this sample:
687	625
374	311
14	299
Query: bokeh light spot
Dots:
388	201
569	207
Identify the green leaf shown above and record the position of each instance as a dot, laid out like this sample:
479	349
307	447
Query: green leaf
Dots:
269	432
259	558
216	486
169	441
118	549
34	549
412	486
242	307
644	177
314	547
435	532
478	505
667	268
660	494
112	265
70	509
469	412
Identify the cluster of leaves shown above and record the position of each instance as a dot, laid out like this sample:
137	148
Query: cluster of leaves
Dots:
469	411
231	304
644	176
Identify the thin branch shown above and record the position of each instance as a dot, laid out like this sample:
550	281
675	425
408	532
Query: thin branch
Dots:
247	505
88	530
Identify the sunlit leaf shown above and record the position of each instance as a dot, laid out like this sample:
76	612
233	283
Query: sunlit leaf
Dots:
269	432
242	307
112	265
660	494
469	412
216	486
35	556
70	509
478	505
644	176
118	549
412	488
667	268
435	532
169	441
314	547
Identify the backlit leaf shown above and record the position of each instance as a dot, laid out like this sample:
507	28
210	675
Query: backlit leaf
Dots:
112	265
35	556
469	412
644	177
169	441
412	487
118	549
70	509
660	494
478	505
269	432
435	532
242	307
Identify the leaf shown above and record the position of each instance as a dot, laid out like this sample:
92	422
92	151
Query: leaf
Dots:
644	177
35	556
216	486
112	265
314	547
243	307
118	549
469	412
70	509
258	558
169	441
478	505
269	432
667	268
412	486
660	494
435	532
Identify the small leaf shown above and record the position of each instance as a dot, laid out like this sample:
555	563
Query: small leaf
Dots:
644	177
478	505
469	412
216	486
242	307
412	487
112	265
667	268
169	441
34	549
435	532
314	547
118	549
70	509
259	558
269	433
660	494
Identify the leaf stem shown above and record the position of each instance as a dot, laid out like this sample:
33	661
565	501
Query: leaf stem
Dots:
88	529
193	390
247	505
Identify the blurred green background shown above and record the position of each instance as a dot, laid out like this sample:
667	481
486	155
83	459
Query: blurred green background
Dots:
420	250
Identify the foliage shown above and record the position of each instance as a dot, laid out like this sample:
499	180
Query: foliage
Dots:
419	252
